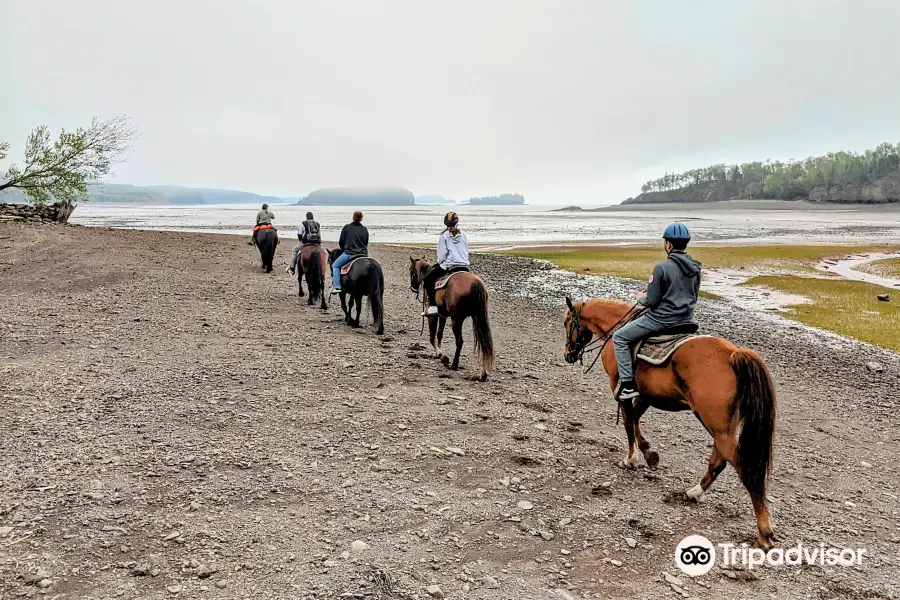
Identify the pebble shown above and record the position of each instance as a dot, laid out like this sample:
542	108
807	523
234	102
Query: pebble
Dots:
175	589
524	505
874	367
631	542
359	546
455	450
564	522
39	575
546	535
865	464
194	506
45	583
565	552
203	572
673	580
221	584
615	562
172	536
4	531
435	591
489	582
141	569
540	426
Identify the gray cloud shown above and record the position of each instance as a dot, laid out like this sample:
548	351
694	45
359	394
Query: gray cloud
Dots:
567	101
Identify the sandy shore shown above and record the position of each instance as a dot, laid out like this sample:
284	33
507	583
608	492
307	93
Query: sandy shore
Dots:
169	411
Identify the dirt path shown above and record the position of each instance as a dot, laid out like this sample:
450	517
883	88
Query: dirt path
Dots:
169	411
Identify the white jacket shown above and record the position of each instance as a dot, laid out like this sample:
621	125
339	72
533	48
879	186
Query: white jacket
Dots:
453	250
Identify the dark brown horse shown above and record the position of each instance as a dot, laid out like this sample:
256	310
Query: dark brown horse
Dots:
312	263
465	296
729	389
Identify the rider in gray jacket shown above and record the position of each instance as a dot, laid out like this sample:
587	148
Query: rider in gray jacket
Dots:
670	298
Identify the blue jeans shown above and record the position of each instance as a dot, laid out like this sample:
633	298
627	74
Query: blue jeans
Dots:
625	338
341	260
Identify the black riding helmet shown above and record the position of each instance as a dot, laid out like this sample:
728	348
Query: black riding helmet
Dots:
451	219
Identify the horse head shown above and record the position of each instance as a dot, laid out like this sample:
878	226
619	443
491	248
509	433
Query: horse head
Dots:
578	335
417	269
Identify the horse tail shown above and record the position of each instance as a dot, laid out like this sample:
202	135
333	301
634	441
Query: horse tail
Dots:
481	327
376	290
755	404
314	275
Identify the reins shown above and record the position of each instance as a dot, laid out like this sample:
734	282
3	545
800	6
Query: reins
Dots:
600	343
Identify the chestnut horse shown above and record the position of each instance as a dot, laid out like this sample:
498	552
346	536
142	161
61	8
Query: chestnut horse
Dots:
465	296
312	263
729	390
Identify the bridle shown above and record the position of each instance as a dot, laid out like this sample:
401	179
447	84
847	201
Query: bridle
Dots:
583	344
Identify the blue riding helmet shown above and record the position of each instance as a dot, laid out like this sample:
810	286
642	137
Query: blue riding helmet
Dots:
676	231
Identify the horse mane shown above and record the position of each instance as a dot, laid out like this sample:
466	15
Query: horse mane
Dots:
606	302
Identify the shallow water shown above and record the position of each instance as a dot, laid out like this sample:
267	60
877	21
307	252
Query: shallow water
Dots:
847	267
521	224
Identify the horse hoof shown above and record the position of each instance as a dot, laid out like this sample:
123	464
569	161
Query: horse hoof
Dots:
445	360
484	377
652	459
766	542
624	464
694	494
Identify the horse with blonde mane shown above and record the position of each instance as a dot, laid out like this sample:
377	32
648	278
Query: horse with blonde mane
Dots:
729	390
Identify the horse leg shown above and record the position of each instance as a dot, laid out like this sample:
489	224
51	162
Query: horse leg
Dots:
344	308
323	304
630	460
652	458
434	336
717	464
358	299
457	326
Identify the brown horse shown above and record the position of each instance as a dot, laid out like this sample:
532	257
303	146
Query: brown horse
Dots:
729	389
312	263
465	296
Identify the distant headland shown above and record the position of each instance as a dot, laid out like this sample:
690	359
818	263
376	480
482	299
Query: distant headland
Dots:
872	177
117	193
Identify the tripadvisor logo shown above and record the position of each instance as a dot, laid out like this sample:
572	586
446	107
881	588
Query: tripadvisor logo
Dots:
695	555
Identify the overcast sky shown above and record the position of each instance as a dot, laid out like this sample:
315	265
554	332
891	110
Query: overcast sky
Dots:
563	101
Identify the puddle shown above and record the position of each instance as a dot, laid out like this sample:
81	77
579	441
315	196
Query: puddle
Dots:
846	267
727	284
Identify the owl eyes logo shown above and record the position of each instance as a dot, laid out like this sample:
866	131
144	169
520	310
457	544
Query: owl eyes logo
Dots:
695	555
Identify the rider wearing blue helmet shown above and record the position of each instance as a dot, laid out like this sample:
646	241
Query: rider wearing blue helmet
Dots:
670	298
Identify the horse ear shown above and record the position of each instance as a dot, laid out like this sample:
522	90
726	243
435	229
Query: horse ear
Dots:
412	260
423	257
569	302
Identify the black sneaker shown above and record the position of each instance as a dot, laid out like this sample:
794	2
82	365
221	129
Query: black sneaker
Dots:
626	391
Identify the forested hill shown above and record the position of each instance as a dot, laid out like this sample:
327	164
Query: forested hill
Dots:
872	177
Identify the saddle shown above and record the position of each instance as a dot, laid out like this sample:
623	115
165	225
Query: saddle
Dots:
346	268
657	349
443	281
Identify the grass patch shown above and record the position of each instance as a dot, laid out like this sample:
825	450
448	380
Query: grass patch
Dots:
636	262
886	267
846	307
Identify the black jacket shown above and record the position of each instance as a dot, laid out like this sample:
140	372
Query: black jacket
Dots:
673	289
355	240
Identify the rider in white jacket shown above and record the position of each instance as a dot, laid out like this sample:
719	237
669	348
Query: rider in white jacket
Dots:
452	255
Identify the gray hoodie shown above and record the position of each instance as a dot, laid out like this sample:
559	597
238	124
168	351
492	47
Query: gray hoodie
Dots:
673	289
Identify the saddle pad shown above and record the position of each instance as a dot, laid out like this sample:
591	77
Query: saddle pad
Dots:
267	226
442	282
658	349
346	268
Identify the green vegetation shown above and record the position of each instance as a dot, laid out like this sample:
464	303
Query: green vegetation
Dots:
888	267
636	262
846	307
872	176
60	171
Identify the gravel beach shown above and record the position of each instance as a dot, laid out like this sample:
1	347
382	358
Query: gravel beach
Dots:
177	424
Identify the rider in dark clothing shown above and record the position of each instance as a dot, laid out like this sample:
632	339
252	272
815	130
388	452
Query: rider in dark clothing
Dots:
309	234
354	243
